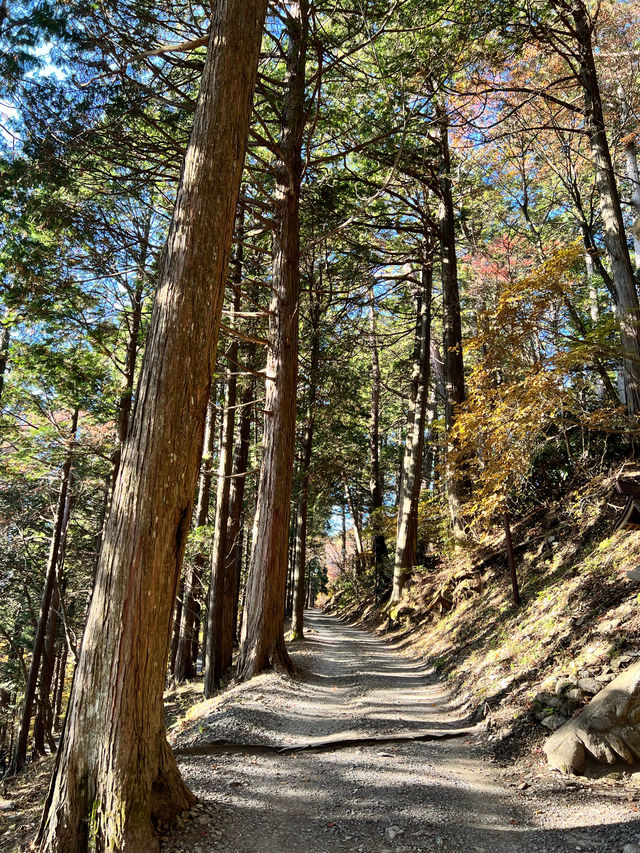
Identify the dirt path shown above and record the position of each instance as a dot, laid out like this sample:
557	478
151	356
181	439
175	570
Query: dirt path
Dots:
439	795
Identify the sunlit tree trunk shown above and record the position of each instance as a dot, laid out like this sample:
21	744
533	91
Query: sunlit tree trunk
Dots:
611	211
262	642
291	563
115	773
406	545
452	326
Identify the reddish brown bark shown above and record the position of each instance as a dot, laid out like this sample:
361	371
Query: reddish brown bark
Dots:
262	642
452	344
115	772
406	540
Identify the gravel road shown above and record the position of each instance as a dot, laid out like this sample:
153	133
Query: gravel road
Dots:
395	796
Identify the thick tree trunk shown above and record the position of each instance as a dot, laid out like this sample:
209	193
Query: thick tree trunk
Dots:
437	366
115	773
452	326
20	751
613	224
406	545
185	663
262	642
213	670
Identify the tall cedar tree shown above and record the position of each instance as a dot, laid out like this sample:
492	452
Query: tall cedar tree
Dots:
115	774
262	641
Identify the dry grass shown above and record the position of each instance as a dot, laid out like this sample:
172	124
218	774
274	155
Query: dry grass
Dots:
26	793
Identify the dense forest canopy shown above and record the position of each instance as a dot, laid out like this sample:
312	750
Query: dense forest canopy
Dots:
279	281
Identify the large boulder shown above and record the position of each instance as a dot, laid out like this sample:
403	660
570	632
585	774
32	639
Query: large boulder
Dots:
607	728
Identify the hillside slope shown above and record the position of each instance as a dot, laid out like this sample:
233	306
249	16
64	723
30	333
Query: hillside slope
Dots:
526	670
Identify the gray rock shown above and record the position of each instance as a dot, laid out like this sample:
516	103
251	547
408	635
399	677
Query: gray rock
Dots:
564	684
554	722
589	686
574	694
548	700
631	848
607	728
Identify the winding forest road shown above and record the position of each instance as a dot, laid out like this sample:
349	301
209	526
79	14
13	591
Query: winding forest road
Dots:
396	796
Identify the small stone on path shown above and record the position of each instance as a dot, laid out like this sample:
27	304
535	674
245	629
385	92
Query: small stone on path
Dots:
392	832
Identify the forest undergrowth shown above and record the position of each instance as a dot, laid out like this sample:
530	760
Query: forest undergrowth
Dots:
523	670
